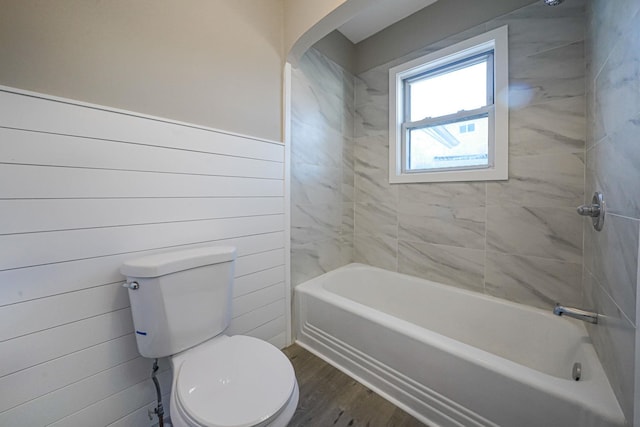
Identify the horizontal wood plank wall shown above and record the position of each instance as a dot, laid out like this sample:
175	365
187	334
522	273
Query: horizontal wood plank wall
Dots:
84	188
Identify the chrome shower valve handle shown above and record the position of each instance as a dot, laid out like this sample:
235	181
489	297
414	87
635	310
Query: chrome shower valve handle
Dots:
595	210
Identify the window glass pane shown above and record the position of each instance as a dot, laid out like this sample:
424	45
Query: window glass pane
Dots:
449	146
447	93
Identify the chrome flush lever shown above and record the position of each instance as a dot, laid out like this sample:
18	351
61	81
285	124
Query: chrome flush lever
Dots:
133	286
595	210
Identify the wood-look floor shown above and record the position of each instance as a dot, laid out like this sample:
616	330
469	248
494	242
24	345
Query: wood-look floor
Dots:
330	398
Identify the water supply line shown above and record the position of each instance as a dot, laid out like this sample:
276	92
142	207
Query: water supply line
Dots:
159	410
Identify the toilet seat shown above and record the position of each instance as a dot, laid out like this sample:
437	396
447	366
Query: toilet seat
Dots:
236	381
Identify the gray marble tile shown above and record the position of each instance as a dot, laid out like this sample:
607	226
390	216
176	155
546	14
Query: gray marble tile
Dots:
545	232
611	255
613	169
361	92
304	264
617	86
312	259
372	83
556	127
374	188
307	110
372	118
448	194
315	222
450	265
347	225
592	179
371	155
608	21
539	28
533	281
348	192
315	145
324	90
304	105
377	251
594	128
348	171
322	173
553	74
376	219
459	226
311	184
544	180
322	72
348	156
614	340
372	102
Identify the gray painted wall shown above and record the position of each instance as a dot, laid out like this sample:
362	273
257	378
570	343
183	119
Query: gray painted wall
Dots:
215	63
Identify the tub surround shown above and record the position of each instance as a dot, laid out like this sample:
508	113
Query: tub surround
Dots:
322	175
612	159
519	239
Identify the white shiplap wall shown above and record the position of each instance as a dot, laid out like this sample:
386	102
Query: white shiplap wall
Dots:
84	188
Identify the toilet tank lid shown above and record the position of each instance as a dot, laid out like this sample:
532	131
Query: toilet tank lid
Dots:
171	262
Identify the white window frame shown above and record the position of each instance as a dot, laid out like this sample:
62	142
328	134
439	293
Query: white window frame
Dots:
495	40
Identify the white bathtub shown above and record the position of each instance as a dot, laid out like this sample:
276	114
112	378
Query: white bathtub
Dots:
451	357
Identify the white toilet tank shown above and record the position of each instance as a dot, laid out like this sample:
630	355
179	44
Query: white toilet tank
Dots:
181	299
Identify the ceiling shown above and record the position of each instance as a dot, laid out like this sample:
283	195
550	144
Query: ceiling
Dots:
379	16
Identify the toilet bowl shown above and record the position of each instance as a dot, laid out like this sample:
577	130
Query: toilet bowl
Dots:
232	382
181	306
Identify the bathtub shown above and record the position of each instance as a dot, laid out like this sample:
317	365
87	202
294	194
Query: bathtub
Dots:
451	357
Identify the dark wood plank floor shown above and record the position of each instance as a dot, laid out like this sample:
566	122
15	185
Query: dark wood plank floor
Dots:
330	398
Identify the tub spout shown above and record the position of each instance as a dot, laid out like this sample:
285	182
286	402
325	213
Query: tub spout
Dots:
576	313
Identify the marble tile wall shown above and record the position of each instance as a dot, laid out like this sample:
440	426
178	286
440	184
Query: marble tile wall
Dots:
322	109
613	167
518	239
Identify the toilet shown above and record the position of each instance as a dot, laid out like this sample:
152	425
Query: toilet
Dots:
181	306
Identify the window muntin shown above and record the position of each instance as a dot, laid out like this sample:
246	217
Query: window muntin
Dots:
447	125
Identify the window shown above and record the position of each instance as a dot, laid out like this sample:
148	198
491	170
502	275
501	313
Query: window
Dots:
446	122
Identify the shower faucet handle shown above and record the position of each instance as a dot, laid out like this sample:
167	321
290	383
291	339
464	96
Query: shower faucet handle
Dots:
595	210
589	210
